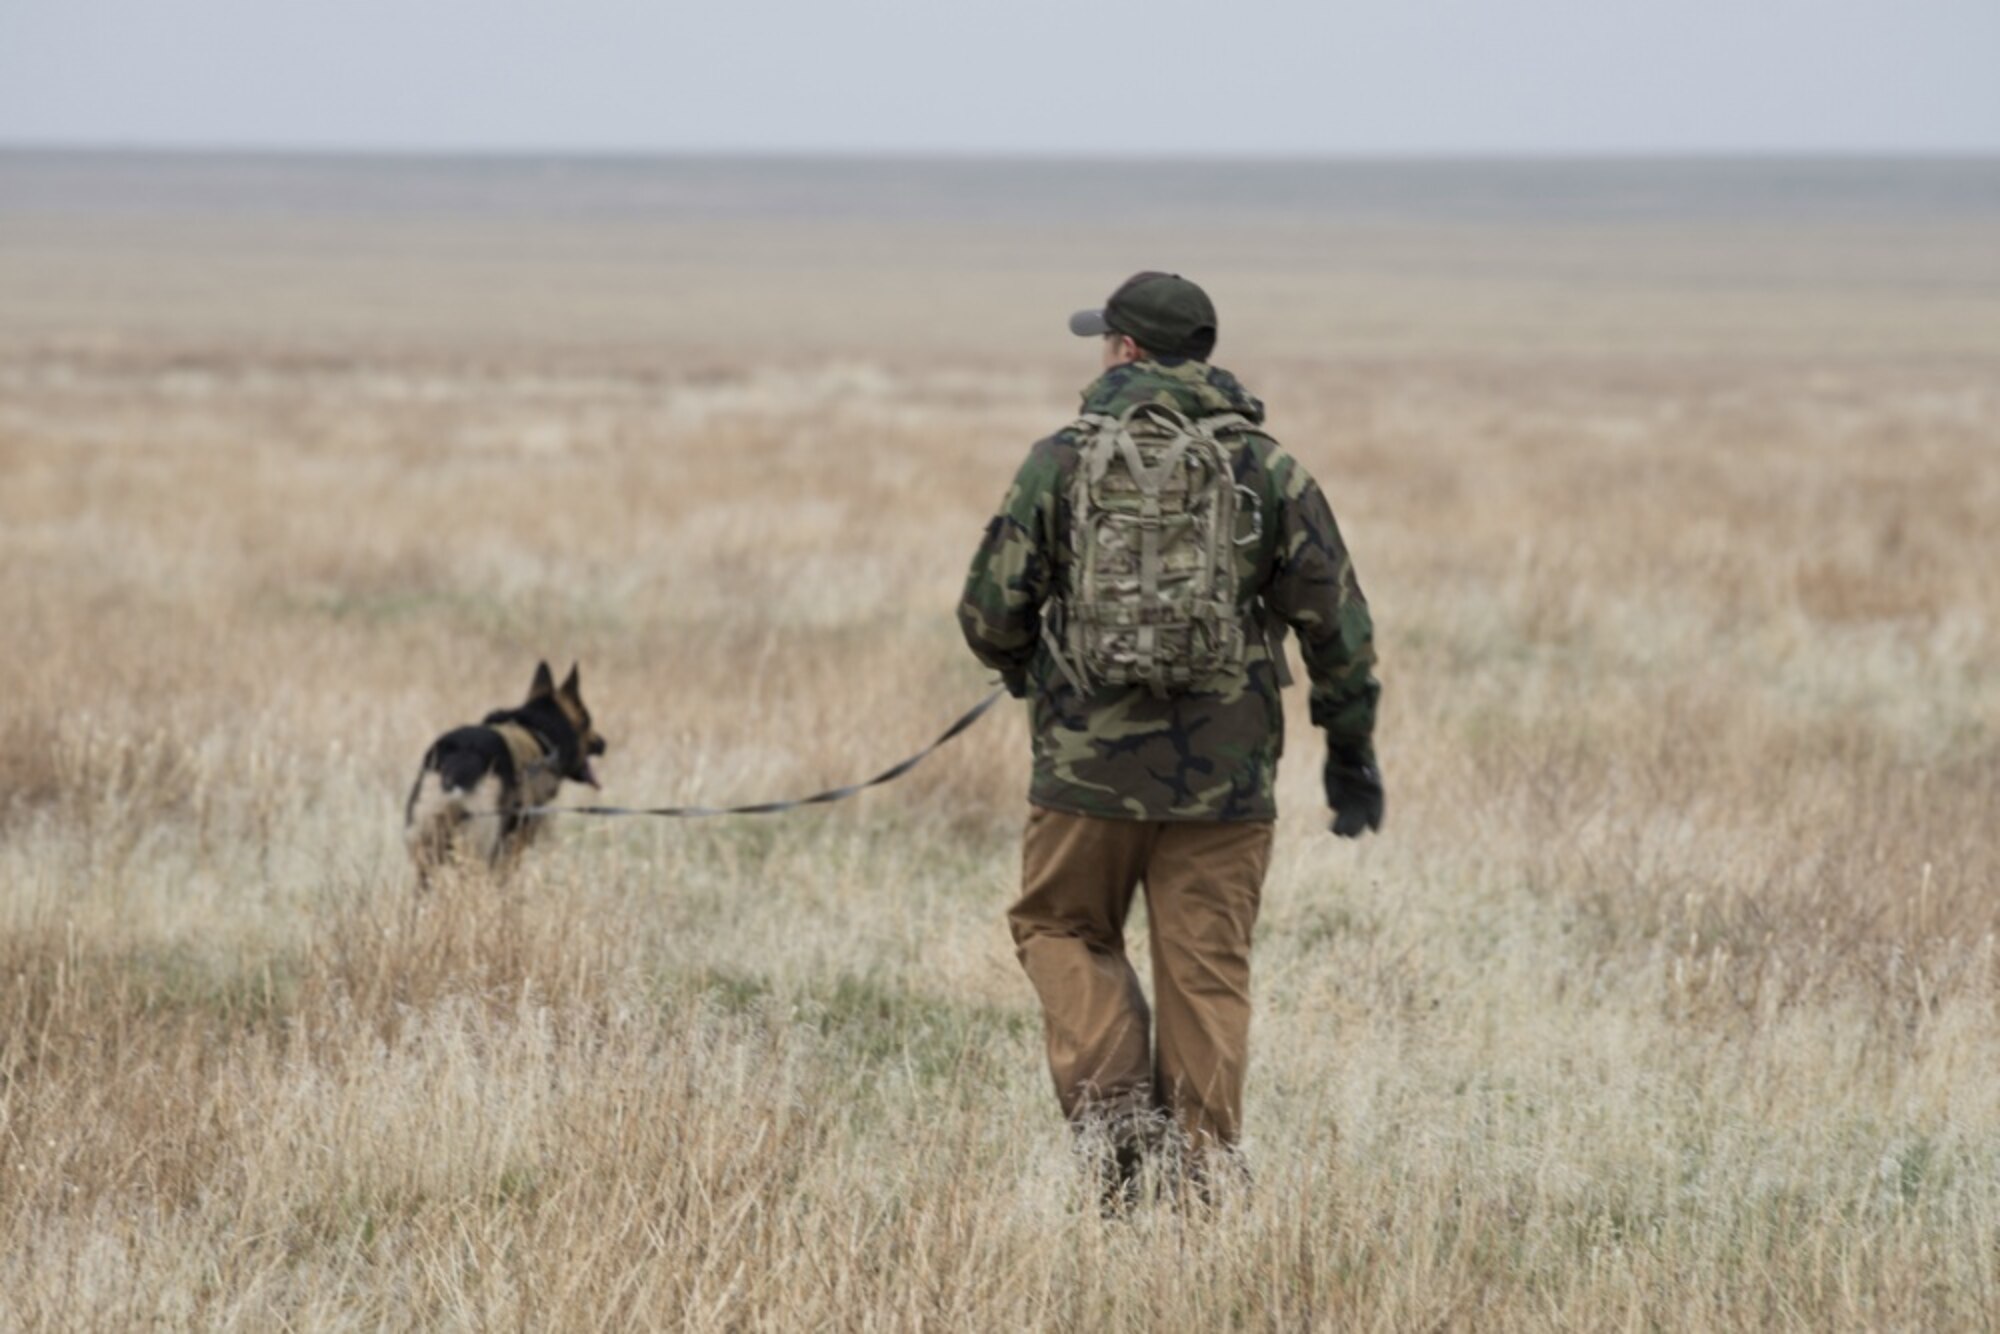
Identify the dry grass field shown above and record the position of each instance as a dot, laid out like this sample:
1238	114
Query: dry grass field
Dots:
1668	999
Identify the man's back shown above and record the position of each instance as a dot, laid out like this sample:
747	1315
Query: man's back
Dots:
1209	753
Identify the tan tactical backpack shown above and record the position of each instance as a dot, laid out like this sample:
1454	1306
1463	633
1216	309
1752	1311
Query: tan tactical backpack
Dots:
1150	596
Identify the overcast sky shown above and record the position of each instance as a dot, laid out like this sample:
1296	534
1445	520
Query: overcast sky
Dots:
1026	76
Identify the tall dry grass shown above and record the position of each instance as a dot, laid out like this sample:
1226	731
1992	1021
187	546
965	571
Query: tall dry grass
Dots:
1667	999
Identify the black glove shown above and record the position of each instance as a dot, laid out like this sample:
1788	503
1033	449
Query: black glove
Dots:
1354	790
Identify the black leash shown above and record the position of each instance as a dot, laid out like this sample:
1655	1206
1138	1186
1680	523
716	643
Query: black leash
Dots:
888	775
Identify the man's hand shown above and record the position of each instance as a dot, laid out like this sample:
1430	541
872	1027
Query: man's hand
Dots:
1354	791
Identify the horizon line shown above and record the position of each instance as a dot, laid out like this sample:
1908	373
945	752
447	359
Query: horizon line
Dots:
1440	156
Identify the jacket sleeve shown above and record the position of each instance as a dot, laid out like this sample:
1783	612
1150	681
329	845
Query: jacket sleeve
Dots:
1000	611
1314	590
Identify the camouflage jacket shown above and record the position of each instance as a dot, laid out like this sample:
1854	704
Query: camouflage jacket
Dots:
1210	754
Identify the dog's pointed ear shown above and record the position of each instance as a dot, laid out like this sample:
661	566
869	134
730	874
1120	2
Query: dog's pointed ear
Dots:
545	682
572	686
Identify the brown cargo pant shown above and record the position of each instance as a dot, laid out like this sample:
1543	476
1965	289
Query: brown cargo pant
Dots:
1202	887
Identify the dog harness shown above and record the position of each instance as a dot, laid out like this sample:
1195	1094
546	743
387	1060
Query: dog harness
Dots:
537	763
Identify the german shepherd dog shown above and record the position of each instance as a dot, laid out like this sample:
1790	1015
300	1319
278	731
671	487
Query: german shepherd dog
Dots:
475	781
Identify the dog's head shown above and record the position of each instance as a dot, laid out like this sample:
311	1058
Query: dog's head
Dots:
568	700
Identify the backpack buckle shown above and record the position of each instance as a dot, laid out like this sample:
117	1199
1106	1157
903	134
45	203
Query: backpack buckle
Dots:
1256	516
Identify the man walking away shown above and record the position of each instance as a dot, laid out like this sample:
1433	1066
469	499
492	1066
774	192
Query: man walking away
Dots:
1134	588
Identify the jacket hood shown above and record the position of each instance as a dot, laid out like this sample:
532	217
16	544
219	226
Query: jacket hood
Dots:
1195	388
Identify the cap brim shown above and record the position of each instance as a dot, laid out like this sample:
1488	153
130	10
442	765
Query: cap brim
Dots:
1088	324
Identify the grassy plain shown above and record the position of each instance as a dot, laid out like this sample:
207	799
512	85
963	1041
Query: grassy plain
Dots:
1668	999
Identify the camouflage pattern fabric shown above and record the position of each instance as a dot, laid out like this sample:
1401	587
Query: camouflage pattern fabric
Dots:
1150	597
1210	753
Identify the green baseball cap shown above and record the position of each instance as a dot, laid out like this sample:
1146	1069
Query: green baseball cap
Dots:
1161	312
